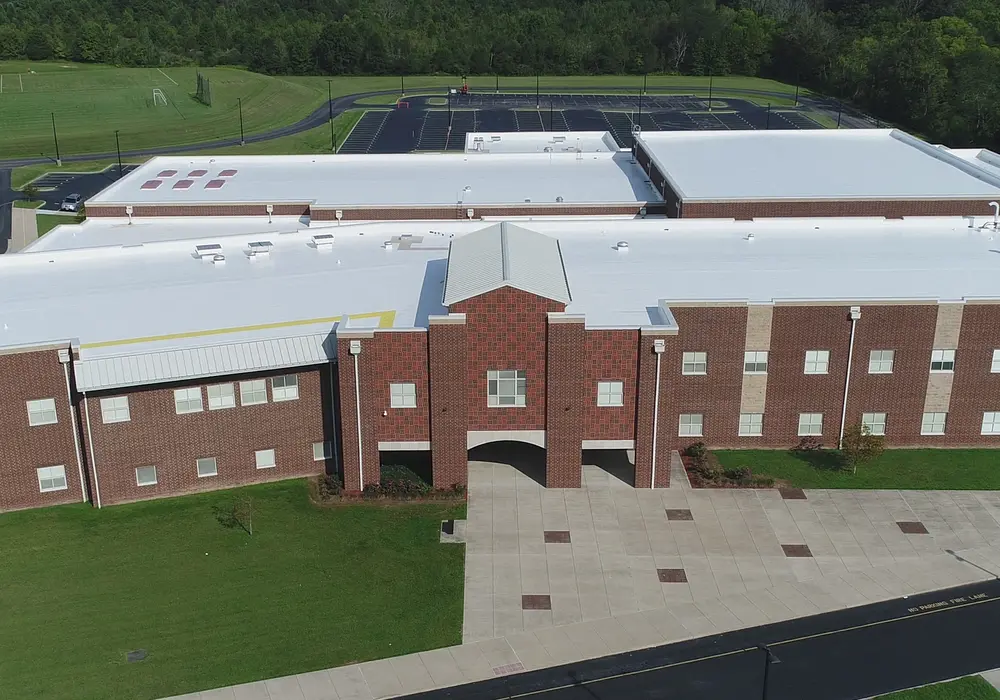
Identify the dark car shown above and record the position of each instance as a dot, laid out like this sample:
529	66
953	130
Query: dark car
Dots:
71	203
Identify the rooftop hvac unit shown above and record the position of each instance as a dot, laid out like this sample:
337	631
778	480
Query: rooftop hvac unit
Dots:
207	250
323	241
258	248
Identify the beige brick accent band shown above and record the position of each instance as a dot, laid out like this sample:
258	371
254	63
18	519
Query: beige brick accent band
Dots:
938	392
758	338
754	393
946	332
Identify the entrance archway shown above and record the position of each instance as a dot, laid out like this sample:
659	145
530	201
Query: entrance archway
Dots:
523	457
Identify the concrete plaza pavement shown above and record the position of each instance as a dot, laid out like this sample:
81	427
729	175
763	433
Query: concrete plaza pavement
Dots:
559	576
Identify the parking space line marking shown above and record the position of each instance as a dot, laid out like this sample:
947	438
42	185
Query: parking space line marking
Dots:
167	77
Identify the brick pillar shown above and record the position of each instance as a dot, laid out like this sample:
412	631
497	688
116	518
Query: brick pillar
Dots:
448	373
645	396
368	462
565	393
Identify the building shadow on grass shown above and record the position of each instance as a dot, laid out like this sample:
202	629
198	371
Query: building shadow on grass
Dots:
823	460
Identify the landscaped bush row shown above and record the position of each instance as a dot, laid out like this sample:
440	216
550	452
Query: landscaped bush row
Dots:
397	483
704	471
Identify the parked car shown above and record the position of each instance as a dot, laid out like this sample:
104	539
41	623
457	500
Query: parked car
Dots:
71	203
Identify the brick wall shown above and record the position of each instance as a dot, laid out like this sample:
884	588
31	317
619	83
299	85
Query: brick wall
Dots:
840	207
645	401
399	357
566	401
247	209
721	332
506	330
612	356
449	415
388	213
370	411
28	376
974	388
157	436
909	332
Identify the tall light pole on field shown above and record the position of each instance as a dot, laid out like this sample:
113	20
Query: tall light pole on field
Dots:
55	138
118	147
239	103
329	102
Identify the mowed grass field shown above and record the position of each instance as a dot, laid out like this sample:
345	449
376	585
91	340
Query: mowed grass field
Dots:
90	101
212	605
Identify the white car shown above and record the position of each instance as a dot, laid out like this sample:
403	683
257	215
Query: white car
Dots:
71	203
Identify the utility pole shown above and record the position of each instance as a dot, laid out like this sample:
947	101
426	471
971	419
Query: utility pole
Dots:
329	102
55	138
536	90
710	93
239	102
796	95
768	126
639	121
840	111
402	88
118	147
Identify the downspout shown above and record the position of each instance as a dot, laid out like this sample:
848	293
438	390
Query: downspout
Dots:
658	347
855	315
64	358
90	439
355	351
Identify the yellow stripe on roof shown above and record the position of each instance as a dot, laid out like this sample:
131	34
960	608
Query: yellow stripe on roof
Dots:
386	319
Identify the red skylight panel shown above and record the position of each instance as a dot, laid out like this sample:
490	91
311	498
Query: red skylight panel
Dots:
214	184
151	184
197	173
183	184
229	172
167	173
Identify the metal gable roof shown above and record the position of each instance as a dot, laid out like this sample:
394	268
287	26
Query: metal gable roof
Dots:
207	361
505	255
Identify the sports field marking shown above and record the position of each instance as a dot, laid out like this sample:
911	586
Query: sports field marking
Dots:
167	77
1	83
20	81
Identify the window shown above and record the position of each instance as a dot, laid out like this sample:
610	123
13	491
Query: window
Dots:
751	423
811	423
51	478
506	387
253	392
322	451
115	409
755	362
610	394
145	476
817	361
690	425
221	396
995	366
880	362
207	466
42	412
694	363
991	423
187	400
942	361
933	424
285	388
403	395
265	458
875	422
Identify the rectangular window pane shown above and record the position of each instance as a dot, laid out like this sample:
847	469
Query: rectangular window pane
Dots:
207	466
403	395
145	476
817	361
875	422
755	362
995	365
690	425
253	391
933	423
221	396
187	400
51	478
42	412
991	423
610	393
264	458
322	451
694	363
880	362
115	409
810	424
285	388
942	361
504	388
751	423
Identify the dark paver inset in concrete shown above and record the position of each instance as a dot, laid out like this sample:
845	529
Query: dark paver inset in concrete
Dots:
557	537
790	494
913	527
796	550
507	669
672	575
679	514
536	602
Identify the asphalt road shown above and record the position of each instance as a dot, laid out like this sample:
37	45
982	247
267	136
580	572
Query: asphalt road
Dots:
856	653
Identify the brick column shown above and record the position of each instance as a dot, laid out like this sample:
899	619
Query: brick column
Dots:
565	393
352	463
645	397
448	379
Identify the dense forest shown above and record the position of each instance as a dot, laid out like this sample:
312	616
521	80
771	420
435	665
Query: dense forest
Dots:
930	65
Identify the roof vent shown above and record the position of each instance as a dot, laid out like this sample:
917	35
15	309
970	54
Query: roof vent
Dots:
207	250
259	248
622	246
323	241
749	238
387	245
219	259
559	199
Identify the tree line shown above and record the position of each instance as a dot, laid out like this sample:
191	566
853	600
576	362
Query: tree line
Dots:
932	66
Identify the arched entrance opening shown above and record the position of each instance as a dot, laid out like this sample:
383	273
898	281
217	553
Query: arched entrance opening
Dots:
505	456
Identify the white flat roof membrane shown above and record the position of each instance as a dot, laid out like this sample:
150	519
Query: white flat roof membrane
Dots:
812	164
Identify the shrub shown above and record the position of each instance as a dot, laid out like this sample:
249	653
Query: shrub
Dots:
330	486
30	191
762	482
808	444
739	475
697	451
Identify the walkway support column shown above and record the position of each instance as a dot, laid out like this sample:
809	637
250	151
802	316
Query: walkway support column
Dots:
358	419
652	420
447	353
566	390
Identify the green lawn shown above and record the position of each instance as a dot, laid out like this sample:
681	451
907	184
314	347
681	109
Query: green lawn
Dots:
895	469
969	688
312	588
47	222
19	177
28	204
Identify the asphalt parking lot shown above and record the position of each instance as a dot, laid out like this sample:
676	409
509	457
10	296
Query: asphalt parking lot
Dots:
55	187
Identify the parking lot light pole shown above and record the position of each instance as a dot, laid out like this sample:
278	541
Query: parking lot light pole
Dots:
55	138
769	659
644	75
402	86
796	95
239	103
710	93
840	111
498	83
118	147
768	125
329	102
536	91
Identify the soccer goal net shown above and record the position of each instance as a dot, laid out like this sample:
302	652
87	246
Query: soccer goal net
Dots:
159	98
